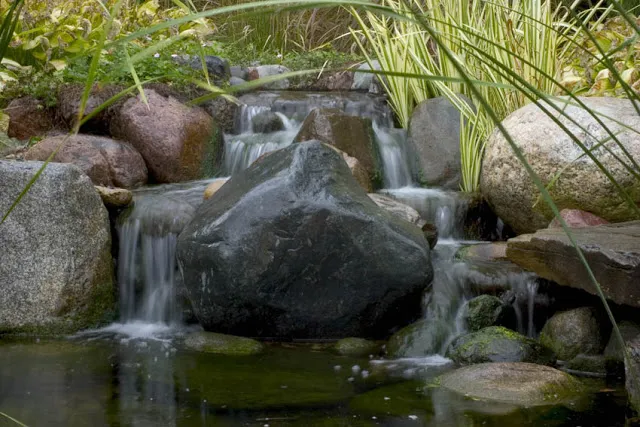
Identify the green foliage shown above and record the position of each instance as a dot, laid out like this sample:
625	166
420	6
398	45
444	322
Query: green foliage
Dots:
584	72
52	32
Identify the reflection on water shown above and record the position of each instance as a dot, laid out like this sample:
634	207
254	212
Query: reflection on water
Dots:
116	381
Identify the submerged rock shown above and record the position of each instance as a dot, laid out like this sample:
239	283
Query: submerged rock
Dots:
419	339
178	143
613	253
106	161
56	271
351	134
266	122
498	344
487	310
572	332
549	151
214	187
356	347
523	384
211	342
294	248
588	364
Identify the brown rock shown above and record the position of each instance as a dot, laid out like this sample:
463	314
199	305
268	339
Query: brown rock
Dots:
223	112
612	251
213	187
105	161
178	143
70	96
28	118
114	197
339	81
576	218
351	134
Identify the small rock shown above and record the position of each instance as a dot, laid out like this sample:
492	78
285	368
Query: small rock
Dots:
498	344
356	347
211	342
263	71
236	81
367	82
239	72
336	81
572	332
114	197
214	187
266	122
590	364
576	218
487	310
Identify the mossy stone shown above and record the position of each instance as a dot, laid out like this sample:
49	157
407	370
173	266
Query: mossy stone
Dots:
498	344
588	363
572	332
356	347
522	384
211	342
488	310
418	339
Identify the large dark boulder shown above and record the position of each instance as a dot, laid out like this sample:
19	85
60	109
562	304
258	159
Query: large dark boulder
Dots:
613	253
294	248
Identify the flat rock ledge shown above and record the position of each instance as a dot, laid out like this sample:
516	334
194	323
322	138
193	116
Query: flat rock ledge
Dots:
521	384
612	250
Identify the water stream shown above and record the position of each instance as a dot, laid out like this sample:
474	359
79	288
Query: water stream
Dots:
138	373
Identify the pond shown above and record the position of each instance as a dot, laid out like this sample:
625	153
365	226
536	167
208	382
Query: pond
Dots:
111	380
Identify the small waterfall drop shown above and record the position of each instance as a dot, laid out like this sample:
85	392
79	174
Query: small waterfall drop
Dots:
147	271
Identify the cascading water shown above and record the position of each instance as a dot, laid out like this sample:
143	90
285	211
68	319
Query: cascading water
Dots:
147	237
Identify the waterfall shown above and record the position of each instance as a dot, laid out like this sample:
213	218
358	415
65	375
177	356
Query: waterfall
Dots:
147	267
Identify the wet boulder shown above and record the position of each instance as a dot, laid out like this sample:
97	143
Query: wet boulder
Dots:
498	344
56	271
106	161
267	122
419	339
523	384
294	248
351	134
578	182
178	143
573	332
